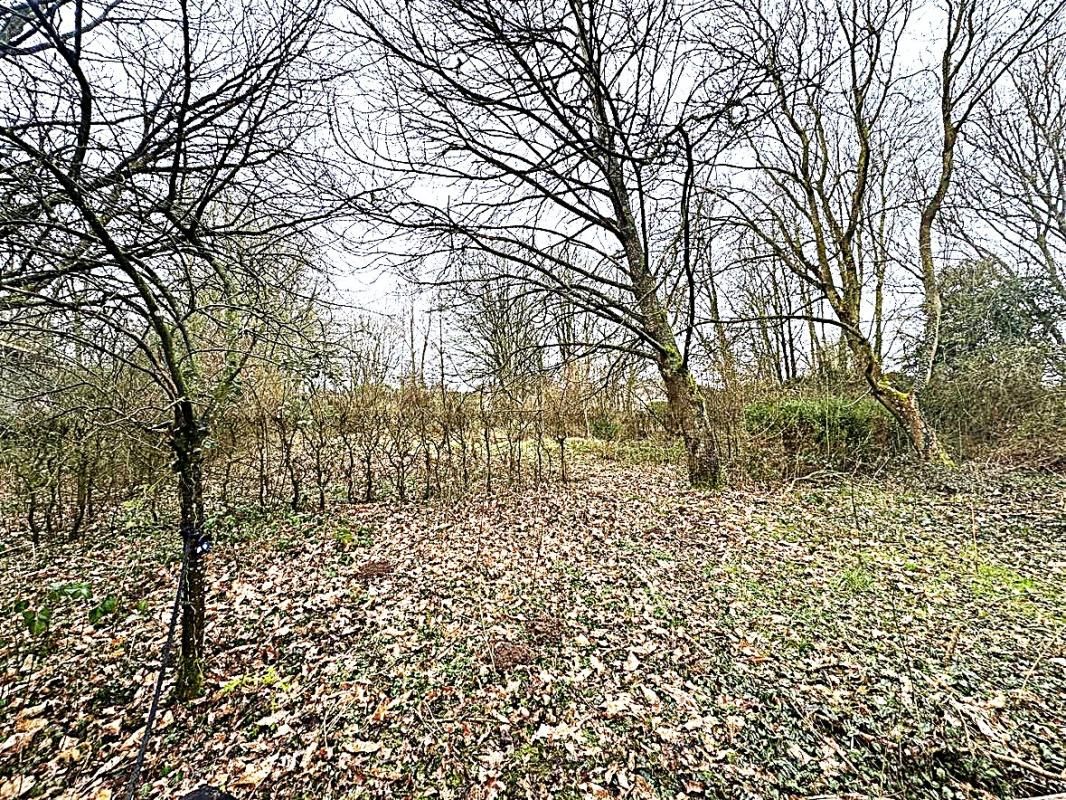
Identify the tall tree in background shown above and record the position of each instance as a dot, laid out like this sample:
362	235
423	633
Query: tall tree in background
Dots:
835	120
843	129
503	333
558	138
1013	189
983	41
151	163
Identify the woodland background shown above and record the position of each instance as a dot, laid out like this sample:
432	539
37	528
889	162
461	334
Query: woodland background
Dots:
653	264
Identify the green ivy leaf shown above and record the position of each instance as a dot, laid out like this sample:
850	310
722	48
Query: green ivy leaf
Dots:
78	590
103	608
37	621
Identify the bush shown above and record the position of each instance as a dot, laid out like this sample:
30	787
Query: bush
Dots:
833	432
605	428
996	402
998	382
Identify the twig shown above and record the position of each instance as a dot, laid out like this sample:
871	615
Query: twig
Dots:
1043	652
953	643
810	476
1033	768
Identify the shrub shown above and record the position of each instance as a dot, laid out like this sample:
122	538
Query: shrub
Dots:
605	428
808	433
996	402
998	382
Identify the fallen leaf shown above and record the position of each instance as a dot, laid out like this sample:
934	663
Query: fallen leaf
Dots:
361	746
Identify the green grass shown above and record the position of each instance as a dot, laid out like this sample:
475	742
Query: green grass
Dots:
855	580
637	452
360	536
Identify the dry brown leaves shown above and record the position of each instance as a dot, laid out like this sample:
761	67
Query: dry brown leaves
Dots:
644	640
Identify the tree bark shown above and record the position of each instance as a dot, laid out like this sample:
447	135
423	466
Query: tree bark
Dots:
902	405
687	409
686	405
187	442
922	436
368	468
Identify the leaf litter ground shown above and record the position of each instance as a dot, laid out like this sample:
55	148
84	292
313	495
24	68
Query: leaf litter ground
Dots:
619	636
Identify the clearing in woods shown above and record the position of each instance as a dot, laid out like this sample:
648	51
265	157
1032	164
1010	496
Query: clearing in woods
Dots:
620	636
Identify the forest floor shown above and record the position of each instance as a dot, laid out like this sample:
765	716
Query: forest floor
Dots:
618	636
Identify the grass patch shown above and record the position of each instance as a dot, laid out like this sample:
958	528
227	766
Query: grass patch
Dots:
855	580
632	452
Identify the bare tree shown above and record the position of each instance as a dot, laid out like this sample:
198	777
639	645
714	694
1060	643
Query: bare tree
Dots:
503	331
136	150
835	119
559	140
983	40
1013	191
844	126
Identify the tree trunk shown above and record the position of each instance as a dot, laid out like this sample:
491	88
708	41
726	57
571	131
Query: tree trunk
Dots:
902	405
368	466
485	430
31	517
685	401
687	410
350	491
932	307
686	405
727	363
81	495
905	408
188	438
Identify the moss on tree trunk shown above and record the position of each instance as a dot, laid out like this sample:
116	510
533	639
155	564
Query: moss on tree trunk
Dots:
904	407
688	415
